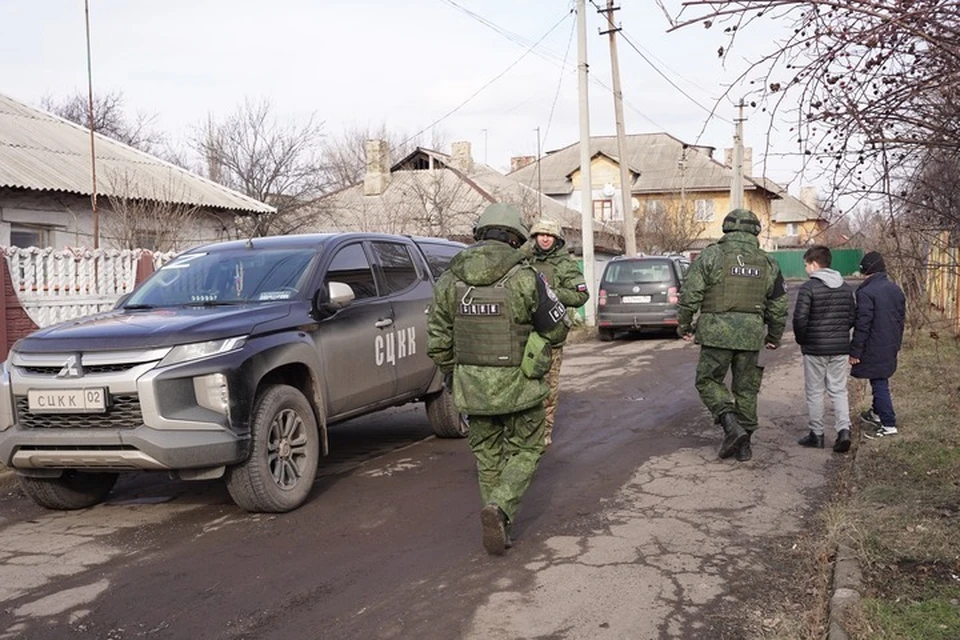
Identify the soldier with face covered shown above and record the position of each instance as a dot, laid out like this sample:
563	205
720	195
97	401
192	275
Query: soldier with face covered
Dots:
739	292
491	327
548	255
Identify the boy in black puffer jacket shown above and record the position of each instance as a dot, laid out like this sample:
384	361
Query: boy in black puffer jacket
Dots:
822	320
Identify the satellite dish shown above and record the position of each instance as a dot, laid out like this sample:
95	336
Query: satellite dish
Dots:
634	203
609	190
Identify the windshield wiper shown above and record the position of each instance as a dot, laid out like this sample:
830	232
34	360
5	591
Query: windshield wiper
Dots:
213	303
138	307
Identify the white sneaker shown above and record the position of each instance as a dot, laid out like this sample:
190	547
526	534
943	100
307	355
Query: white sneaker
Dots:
881	432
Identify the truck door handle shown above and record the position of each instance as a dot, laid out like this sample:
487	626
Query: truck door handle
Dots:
386	322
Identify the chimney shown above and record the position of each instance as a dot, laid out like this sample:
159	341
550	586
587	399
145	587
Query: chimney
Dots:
747	160
377	175
519	162
808	196
460	157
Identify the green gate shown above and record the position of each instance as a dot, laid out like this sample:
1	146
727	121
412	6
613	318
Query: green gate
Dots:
846	261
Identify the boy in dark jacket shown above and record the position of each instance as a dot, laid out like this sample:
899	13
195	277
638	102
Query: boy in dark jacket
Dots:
822	320
877	335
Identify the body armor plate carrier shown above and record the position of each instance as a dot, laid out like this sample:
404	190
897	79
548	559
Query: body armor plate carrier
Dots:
742	288
483	328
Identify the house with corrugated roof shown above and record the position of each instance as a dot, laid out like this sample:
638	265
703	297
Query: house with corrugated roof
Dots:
46	188
431	193
797	222
675	188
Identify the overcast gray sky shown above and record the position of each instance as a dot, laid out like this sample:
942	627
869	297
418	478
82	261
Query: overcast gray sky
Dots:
406	63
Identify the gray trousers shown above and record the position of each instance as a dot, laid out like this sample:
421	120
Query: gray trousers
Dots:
826	374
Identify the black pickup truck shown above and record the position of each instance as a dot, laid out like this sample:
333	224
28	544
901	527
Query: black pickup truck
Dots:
229	361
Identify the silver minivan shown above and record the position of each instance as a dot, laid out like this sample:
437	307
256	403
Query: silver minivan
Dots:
639	292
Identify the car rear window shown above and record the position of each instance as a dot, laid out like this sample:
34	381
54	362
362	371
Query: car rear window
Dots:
639	271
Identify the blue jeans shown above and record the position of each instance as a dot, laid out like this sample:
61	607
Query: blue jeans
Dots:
882	402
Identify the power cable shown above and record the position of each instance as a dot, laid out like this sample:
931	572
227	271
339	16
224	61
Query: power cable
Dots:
481	89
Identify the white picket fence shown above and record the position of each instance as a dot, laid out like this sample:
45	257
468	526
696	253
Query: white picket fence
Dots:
58	285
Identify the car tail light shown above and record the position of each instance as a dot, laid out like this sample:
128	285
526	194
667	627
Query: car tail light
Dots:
672	296
602	300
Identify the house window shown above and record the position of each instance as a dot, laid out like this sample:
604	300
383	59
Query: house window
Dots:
704	211
793	229
603	209
655	207
24	236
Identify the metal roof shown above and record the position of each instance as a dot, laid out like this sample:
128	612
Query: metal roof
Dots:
42	152
653	159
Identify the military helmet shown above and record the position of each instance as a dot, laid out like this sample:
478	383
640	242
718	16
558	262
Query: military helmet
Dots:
501	216
547	227
742	220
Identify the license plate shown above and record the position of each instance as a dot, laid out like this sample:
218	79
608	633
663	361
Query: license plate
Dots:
635	299
67	400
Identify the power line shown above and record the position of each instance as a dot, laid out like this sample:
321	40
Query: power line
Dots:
481	89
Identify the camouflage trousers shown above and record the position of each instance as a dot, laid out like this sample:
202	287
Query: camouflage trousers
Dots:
550	404
508	449
741	398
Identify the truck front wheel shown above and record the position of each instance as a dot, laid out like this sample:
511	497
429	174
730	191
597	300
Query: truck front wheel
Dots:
72	490
445	420
284	454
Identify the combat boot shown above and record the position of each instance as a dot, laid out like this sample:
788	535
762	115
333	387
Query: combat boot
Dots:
495	524
745	452
734	435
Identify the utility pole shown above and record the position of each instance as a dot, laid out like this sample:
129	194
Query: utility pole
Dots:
539	180
93	152
736	187
586	189
629	227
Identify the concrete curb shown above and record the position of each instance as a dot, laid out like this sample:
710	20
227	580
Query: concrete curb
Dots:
847	580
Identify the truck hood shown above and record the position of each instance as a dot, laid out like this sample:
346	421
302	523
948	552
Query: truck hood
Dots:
148	329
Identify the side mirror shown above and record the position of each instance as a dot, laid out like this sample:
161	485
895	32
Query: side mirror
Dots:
330	299
121	301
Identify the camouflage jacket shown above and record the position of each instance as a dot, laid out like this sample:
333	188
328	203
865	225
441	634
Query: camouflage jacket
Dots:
487	390
562	272
732	329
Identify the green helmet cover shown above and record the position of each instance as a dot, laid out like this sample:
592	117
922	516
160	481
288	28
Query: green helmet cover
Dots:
503	216
742	220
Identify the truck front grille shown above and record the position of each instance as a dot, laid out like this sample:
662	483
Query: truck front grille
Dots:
88	369
123	413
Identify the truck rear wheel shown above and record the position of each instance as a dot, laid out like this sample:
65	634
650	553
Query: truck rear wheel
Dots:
284	454
72	490
445	419
605	335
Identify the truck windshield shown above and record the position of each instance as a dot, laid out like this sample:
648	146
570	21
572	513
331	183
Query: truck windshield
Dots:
224	278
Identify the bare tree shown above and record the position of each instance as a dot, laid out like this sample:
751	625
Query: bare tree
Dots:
161	223
671	226
273	162
344	155
109	119
441	207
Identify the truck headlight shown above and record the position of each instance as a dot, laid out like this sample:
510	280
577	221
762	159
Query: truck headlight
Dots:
197	350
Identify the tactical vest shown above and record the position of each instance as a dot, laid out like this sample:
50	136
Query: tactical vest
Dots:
484	332
742	286
548	269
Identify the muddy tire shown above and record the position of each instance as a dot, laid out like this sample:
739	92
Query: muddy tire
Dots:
72	490
605	335
445	419
284	454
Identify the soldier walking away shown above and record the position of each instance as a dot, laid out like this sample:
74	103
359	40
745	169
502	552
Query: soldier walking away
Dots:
738	290
822	319
877	336
491	326
546	251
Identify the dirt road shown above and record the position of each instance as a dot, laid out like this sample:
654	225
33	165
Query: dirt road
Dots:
632	529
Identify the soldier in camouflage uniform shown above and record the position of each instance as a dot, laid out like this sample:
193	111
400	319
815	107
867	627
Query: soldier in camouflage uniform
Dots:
489	307
738	290
546	251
